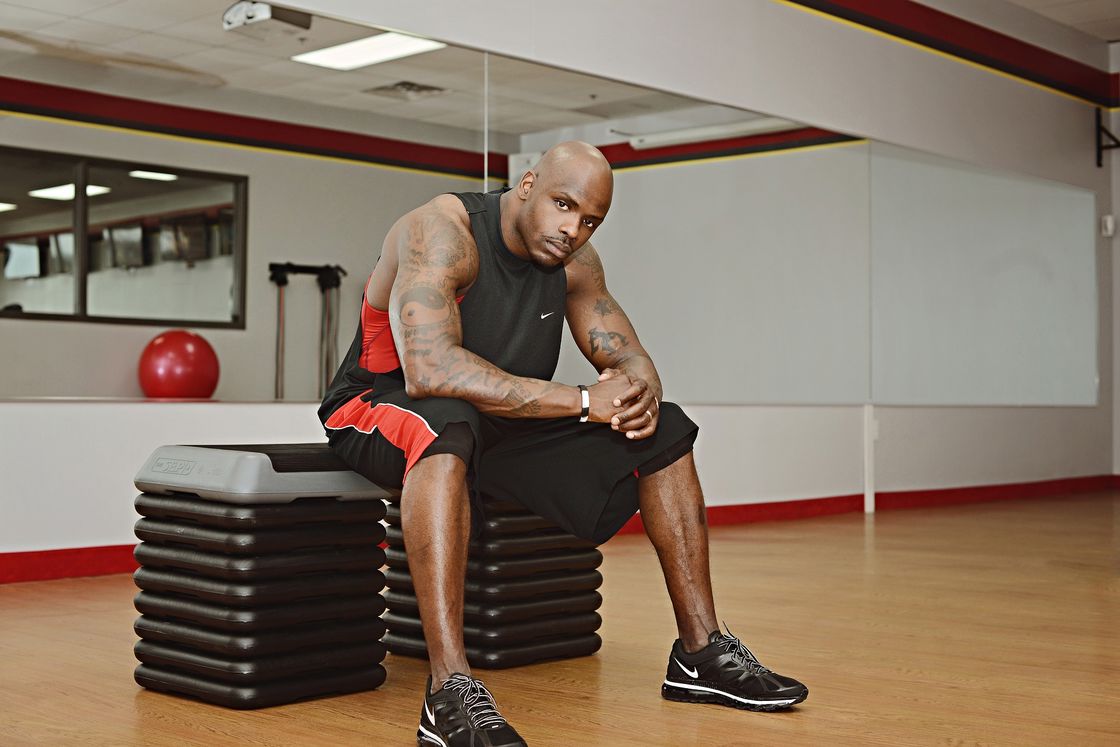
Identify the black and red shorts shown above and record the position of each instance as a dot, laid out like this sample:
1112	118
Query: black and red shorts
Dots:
581	476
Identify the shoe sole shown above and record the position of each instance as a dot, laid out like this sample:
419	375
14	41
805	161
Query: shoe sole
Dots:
423	739
682	693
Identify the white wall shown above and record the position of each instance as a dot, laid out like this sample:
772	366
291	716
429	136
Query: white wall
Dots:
780	59
759	55
68	465
301	209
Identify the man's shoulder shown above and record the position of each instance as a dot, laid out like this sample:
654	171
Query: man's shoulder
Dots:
438	215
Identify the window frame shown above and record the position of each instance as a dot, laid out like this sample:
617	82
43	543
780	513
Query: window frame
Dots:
80	225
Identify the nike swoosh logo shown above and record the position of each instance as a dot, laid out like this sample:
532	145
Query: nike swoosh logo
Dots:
543	316
428	713
689	672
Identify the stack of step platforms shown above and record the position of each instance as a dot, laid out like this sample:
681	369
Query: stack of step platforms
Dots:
260	574
531	592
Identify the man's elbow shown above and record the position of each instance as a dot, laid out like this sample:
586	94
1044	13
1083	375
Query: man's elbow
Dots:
417	385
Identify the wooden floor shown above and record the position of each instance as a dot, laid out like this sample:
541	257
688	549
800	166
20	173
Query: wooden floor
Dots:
991	624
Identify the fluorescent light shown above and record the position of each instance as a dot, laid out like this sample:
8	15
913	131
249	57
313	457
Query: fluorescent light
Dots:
368	51
6	206
758	126
66	191
155	176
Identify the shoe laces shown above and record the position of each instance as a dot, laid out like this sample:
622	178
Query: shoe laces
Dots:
741	653
482	711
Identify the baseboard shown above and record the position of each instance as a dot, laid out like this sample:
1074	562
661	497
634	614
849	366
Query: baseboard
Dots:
43	565
892	500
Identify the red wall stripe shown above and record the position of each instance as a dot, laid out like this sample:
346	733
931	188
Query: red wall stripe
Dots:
622	155
959	37
73	103
41	565
97	561
891	500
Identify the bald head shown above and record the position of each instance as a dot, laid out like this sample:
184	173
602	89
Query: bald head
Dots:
575	158
559	203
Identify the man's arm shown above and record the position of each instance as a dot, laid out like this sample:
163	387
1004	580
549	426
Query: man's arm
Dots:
607	339
437	256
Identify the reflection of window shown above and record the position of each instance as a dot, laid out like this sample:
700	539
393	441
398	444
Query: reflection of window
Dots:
185	239
21	260
62	252
128	245
145	243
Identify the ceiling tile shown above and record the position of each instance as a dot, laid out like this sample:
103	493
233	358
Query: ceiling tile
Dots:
255	79
159	46
87	33
148	15
61	7
221	61
13	18
206	30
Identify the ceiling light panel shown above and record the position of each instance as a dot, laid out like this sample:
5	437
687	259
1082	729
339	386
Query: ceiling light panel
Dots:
155	176
66	192
368	51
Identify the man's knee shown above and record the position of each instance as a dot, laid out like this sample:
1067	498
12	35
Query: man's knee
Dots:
457	436
455	439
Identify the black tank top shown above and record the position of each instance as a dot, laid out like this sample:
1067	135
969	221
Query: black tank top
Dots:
512	316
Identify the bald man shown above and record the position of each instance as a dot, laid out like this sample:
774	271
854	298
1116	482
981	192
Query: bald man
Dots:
447	391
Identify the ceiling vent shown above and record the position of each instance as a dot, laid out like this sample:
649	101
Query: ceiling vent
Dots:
406	90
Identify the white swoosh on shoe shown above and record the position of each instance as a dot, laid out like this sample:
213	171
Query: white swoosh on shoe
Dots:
690	672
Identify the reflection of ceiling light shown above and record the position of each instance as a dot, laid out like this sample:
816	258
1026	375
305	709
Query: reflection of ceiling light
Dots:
759	126
66	191
155	176
6	206
368	51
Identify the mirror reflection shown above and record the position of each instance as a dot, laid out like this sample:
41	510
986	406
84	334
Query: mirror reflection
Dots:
36	233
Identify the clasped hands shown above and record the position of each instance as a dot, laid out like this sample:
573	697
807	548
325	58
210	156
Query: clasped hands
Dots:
626	402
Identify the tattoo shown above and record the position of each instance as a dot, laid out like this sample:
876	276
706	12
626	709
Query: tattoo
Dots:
521	402
608	342
422	305
606	306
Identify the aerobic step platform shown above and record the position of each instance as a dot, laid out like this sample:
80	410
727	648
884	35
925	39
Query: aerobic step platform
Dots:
260	574
530	592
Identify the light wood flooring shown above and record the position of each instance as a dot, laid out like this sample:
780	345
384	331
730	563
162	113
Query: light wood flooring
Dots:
988	624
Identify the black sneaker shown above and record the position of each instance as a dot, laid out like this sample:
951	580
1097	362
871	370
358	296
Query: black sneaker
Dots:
463	714
727	673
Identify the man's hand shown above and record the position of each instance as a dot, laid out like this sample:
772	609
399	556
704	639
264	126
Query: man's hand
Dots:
636	408
606	397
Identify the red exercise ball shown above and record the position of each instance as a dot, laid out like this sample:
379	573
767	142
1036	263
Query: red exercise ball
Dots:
178	364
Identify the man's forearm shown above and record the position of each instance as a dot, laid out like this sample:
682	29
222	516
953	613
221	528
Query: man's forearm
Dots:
463	375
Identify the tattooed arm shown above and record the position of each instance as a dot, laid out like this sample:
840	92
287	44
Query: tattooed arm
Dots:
607	339
436	258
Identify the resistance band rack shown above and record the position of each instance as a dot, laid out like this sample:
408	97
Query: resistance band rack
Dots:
329	278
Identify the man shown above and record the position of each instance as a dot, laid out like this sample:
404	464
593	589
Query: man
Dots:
447	389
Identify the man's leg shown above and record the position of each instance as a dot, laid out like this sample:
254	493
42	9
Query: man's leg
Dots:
435	520
705	665
672	507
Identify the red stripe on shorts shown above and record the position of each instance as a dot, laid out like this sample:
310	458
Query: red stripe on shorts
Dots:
402	428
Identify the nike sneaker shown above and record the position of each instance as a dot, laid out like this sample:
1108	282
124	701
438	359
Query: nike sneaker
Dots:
463	714
727	673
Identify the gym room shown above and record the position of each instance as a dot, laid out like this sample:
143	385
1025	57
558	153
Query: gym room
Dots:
860	252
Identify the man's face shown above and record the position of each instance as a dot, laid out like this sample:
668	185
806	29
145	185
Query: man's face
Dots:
560	214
